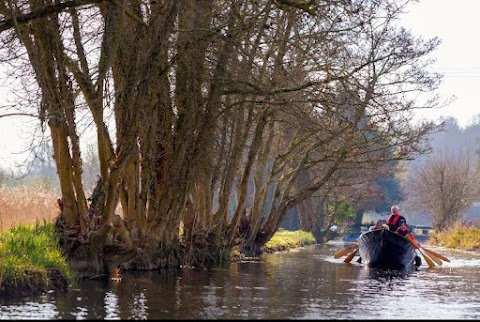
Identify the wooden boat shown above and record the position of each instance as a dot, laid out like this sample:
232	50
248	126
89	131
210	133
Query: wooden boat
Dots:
383	248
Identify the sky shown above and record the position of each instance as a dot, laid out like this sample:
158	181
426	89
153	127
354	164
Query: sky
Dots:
458	58
456	23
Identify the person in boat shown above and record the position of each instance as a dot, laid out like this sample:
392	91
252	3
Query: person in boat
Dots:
395	219
379	225
404	230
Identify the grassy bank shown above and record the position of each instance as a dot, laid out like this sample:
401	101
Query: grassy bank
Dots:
284	240
31	263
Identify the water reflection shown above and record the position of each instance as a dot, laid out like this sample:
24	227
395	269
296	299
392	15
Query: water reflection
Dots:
305	284
111	306
29	310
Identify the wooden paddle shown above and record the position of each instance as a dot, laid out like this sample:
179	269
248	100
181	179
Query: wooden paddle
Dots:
435	259
435	254
350	257
345	251
427	258
431	253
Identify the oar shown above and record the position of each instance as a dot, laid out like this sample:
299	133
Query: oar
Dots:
345	251
350	257
427	259
435	254
435	259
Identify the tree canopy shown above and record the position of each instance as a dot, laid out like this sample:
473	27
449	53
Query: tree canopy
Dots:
213	118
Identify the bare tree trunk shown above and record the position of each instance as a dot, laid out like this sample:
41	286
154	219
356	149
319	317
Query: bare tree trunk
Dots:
305	214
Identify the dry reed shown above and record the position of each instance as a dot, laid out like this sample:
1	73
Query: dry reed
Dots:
26	205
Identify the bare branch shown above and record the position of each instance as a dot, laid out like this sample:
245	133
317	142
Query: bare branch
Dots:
46	11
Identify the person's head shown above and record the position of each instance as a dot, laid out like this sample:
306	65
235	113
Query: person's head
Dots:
403	225
379	224
395	209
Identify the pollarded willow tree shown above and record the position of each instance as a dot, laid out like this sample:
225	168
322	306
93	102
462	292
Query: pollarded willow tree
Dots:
212	118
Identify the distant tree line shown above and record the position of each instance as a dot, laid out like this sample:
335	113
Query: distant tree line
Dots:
445	183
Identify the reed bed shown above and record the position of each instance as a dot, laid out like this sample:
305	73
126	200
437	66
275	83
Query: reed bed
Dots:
26	205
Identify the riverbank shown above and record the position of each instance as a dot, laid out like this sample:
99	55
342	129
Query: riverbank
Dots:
283	240
31	263
460	237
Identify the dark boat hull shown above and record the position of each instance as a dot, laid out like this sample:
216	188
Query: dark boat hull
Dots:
385	249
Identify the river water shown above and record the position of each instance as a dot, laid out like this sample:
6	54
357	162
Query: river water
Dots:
306	283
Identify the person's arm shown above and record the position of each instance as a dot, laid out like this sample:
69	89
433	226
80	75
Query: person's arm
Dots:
412	237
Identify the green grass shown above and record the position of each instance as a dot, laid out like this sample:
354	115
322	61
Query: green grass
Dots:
284	239
27	251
